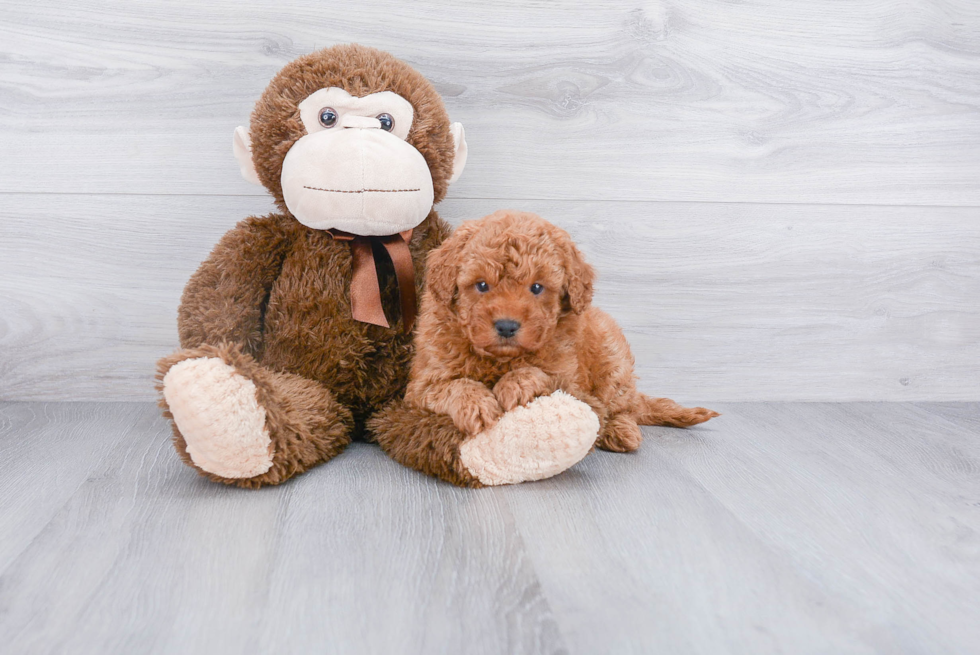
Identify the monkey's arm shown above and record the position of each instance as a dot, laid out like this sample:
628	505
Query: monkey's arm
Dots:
224	301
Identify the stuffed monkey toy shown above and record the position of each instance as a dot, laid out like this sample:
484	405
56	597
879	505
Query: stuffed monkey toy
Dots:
297	327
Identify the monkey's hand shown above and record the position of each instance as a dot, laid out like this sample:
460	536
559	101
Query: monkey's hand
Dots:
538	441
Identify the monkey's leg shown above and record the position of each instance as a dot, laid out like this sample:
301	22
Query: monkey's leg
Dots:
422	440
548	436
240	423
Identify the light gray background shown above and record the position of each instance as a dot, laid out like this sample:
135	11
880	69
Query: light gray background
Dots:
781	198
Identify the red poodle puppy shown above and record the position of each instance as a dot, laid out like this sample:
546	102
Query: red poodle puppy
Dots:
507	317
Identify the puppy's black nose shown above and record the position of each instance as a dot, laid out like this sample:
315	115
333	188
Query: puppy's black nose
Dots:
506	327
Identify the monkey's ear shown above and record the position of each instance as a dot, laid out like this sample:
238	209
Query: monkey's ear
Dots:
459	157
242	147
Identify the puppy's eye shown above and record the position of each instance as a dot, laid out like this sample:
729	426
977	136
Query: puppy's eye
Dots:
482	286
536	289
328	117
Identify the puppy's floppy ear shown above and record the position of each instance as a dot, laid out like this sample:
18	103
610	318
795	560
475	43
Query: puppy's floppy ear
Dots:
579	276
442	264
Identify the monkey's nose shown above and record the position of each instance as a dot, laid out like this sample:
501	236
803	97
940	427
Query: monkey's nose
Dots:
352	120
506	327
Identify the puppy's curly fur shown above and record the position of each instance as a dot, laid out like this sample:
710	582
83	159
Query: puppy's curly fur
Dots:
513	272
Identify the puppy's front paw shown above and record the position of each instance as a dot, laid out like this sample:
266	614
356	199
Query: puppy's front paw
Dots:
520	386
479	414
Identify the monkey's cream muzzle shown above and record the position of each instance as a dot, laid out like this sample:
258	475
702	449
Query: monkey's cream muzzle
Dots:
357	179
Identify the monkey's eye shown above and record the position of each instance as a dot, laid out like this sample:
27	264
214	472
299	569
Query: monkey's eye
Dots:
387	122
536	289
482	286
328	117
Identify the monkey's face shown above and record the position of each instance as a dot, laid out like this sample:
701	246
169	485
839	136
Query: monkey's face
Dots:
350	138
353	170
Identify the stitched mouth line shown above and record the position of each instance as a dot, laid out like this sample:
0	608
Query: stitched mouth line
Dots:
315	188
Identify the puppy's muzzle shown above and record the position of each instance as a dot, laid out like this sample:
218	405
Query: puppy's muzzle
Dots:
506	327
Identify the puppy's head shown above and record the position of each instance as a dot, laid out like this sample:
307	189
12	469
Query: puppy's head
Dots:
509	278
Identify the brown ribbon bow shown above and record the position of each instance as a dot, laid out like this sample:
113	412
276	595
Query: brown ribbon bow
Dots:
365	292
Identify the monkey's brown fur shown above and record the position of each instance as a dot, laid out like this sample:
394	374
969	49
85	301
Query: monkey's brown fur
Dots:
272	299
465	374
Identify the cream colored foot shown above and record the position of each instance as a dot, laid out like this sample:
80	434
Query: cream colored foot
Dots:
548	436
216	411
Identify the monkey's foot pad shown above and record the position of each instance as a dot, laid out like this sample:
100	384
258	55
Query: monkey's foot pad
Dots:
538	441
218	415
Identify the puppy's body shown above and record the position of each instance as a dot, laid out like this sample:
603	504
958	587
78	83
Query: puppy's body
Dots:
516	269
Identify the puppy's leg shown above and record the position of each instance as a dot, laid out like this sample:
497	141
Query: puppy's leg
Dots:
664	411
522	385
620	434
468	403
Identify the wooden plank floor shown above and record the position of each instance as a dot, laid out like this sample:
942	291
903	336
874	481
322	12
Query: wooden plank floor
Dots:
832	528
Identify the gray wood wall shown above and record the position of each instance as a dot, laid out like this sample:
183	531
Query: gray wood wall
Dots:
782	198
